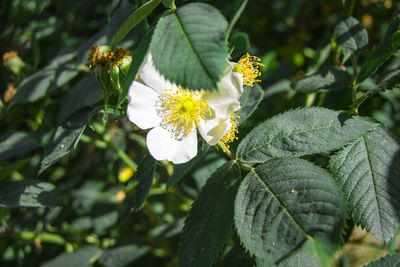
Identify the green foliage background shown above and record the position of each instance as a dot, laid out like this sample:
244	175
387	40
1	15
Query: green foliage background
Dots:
63	199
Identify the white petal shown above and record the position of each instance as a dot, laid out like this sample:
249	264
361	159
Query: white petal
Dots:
226	100
141	108
214	129
163	146
152	78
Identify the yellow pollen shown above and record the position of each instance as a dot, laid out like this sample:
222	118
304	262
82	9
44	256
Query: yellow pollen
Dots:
181	110
230	136
248	67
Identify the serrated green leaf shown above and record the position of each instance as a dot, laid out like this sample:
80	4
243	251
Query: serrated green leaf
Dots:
13	144
182	169
368	169
140	14
392	80
65	137
83	256
210	219
301	132
138	57
387	261
350	35
328	78
124	252
189	48
144	177
282	203
385	49
29	193
249	101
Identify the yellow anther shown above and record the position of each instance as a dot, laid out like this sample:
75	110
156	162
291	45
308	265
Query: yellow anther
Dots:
248	67
230	136
181	111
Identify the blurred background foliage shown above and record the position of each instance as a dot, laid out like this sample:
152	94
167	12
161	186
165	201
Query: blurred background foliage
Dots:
45	45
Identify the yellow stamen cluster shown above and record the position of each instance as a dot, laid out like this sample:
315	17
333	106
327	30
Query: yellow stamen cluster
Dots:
9	93
230	136
105	58
9	56
248	67
181	110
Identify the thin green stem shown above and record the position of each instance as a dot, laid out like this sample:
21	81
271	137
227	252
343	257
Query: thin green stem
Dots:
233	157
349	7
236	18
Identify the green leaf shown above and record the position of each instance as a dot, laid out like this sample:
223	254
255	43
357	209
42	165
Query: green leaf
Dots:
350	35
387	261
85	93
299	259
29	193
36	86
327	79
65	137
182	169
189	48
240	43
14	144
144	177
83	257
6	171
210	220
282	203
301	132
168	3
138	57
124	252
249	101
368	169
392	80
385	49
140	14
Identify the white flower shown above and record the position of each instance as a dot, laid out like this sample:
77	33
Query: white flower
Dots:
173	113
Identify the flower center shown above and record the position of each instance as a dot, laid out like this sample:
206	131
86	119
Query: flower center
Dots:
181	111
230	136
248	67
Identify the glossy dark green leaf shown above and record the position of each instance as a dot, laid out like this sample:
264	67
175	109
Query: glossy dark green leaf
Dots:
327	79
301	132
385	49
284	202
368	169
54	75
83	257
144	177
124	252
210	220
249	101
29	193
65	137
138	57
350	35
299	259
392	80
14	144
85	93
189	48
387	261
139	15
